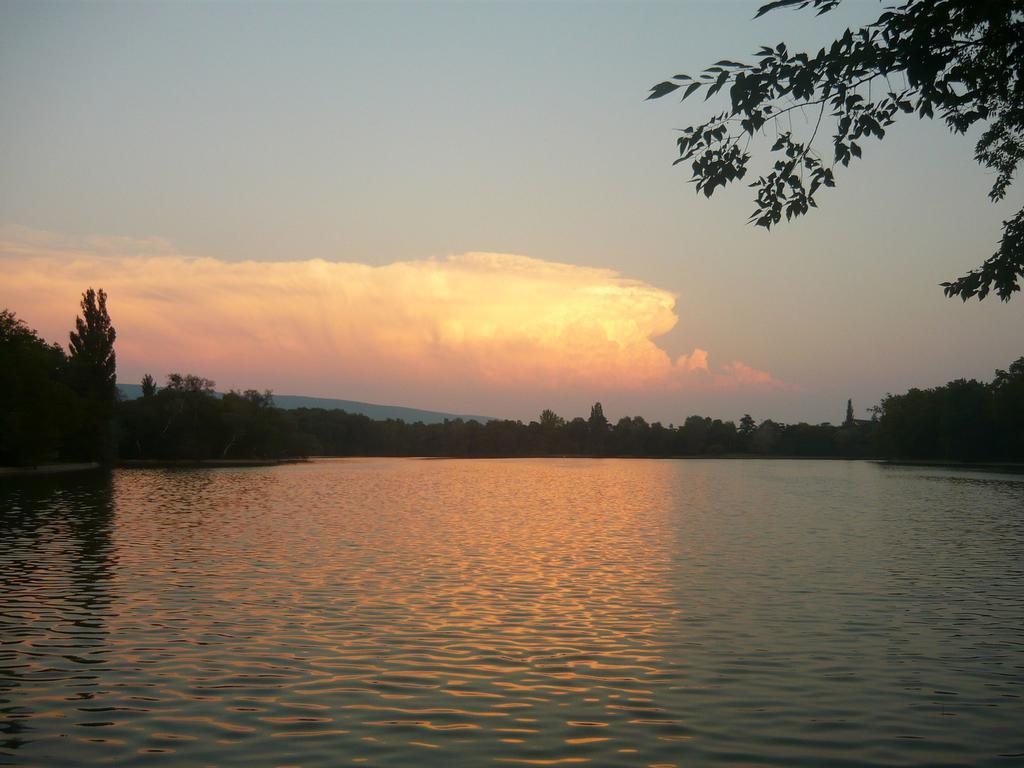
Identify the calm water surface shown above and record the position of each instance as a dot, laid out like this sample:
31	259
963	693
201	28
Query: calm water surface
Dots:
521	612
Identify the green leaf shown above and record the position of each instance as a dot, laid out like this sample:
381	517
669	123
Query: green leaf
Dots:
662	89
692	87
717	86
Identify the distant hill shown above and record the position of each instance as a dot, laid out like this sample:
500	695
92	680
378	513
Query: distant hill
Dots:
379	412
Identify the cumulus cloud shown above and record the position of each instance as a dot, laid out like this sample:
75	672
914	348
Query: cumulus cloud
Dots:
494	320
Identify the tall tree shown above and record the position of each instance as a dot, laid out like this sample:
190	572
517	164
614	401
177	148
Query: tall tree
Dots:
597	426
93	372
92	358
959	59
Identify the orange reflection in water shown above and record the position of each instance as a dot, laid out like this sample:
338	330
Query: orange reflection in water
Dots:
517	611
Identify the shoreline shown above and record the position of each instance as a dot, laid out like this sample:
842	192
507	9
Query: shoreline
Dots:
202	463
49	469
66	468
993	466
1005	466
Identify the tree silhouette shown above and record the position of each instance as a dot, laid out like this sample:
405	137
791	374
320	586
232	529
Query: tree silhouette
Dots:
92	358
959	59
849	413
550	421
92	368
37	408
189	382
746	426
1008	407
148	386
597	427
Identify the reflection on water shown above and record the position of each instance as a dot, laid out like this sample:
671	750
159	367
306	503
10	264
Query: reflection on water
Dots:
403	612
55	570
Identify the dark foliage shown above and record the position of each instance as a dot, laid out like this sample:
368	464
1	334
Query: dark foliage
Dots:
56	406
958	59
92	373
93	364
39	411
960	421
186	420
191	422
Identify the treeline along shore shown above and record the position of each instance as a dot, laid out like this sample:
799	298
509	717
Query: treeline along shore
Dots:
62	406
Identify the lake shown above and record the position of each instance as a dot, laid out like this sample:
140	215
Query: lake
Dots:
514	612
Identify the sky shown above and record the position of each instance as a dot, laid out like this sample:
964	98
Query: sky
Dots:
470	207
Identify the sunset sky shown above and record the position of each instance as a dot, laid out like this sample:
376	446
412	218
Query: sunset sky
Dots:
469	207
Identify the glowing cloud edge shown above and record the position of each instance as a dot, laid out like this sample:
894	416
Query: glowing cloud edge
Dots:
494	320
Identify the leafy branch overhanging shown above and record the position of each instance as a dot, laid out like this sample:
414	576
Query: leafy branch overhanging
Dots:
959	60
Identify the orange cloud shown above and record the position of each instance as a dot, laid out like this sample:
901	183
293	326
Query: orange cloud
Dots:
499	320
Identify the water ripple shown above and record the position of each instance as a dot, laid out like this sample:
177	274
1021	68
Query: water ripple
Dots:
576	612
